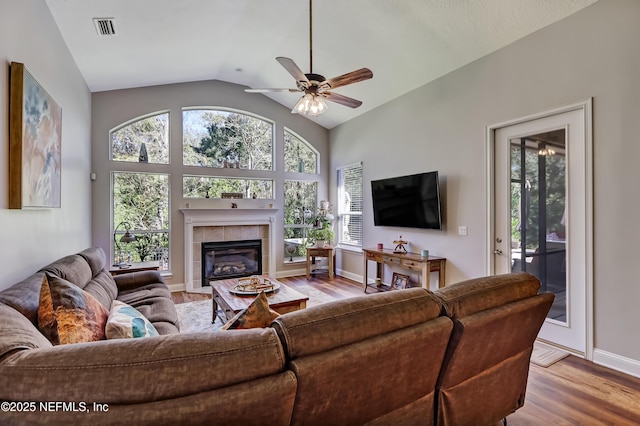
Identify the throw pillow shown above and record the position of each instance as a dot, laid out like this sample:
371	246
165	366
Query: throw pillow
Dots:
127	322
68	314
256	315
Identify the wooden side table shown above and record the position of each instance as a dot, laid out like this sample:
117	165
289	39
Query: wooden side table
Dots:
313	252
411	261
135	267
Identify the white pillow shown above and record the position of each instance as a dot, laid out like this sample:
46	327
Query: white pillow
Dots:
127	322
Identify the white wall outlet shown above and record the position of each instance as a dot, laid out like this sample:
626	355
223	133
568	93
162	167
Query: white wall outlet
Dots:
462	230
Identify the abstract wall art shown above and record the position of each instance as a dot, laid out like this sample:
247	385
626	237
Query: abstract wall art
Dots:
35	137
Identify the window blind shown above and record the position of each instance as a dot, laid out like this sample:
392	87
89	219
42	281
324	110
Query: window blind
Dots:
350	205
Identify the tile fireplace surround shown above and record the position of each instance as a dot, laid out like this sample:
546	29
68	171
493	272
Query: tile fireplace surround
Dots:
202	225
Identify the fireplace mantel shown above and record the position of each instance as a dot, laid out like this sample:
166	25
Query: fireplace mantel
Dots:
194	218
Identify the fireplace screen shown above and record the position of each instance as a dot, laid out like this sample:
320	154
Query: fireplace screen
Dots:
231	259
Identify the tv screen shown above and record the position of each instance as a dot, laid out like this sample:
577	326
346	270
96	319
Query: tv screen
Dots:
407	201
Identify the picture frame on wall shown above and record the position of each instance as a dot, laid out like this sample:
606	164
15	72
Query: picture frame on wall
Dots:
35	143
399	281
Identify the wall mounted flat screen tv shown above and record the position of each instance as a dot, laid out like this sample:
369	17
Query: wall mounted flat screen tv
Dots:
407	201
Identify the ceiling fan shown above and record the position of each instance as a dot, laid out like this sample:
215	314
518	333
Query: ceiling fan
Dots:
316	88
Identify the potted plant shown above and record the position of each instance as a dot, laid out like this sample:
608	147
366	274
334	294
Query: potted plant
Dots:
320	236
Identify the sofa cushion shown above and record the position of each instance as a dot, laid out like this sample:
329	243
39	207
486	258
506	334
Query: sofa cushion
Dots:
18	333
87	270
256	315
127	322
155	303
331	325
68	314
479	294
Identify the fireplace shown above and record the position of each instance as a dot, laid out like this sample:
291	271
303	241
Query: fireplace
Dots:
230	259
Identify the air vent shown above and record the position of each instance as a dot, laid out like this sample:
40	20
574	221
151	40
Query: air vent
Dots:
105	26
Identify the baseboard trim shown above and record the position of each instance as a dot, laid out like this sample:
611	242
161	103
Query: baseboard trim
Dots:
174	288
291	273
617	362
349	275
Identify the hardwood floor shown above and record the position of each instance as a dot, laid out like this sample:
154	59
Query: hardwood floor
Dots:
570	392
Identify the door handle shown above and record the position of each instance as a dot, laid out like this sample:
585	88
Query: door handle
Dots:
497	251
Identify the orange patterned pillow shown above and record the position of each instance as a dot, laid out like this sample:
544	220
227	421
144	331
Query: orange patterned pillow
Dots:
68	314
256	315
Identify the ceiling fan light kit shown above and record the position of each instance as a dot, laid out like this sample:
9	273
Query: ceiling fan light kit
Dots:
310	104
316	87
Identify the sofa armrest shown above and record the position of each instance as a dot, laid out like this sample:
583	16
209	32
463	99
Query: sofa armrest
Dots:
134	280
130	371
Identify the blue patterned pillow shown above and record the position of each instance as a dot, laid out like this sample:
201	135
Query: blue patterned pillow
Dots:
127	322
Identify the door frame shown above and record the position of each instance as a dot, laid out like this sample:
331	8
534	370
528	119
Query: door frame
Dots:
586	107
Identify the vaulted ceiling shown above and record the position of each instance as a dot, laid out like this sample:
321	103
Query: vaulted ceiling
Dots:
406	43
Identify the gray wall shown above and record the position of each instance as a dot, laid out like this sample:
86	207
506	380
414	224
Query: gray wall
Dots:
113	108
442	126
29	239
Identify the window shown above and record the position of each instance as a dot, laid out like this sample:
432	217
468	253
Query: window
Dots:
215	187
141	205
300	205
350	205
299	156
226	139
144	140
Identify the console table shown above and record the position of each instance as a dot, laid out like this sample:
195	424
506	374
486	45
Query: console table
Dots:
411	261
135	267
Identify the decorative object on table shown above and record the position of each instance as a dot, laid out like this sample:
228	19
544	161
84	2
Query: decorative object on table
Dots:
320	237
380	246
399	281
227	195
378	282
321	233
290	249
400	243
126	238
234	205
35	139
424	253
253	285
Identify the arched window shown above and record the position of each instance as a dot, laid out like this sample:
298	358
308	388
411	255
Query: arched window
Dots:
145	140
299	155
226	139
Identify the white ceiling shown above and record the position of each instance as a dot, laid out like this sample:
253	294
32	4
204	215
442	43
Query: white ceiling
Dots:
406	43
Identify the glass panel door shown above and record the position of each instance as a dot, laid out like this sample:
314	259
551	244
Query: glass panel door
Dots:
539	214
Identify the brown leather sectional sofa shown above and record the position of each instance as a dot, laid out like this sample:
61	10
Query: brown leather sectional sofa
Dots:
458	356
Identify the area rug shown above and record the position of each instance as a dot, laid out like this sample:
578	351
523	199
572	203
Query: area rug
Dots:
545	355
196	316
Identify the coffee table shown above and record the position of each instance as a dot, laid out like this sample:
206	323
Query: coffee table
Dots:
283	300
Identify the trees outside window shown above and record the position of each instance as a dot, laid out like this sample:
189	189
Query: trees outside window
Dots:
214	187
300	207
141	200
226	139
144	140
299	155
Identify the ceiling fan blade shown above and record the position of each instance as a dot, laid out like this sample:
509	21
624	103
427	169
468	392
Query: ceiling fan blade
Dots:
270	90
341	99
349	78
293	69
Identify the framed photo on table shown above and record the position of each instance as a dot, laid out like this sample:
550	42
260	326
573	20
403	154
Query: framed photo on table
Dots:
399	281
